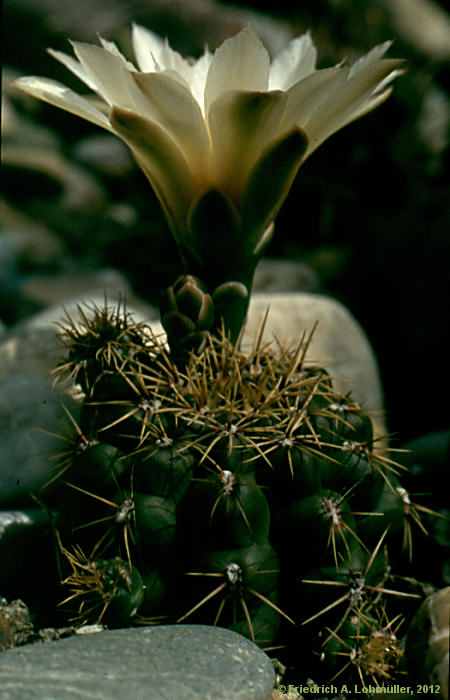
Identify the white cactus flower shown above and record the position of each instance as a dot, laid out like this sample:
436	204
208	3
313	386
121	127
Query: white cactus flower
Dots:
232	122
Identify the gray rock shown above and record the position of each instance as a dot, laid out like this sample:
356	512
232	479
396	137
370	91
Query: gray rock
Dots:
104	153
16	126
426	647
30	419
31	245
16	625
30	350
57	290
192	662
274	275
34	150
31	416
80	190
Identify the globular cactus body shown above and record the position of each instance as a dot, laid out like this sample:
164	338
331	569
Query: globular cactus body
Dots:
233	489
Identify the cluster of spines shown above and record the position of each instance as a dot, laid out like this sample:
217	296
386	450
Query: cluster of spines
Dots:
243	480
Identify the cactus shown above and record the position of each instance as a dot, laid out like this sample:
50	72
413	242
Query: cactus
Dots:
200	483
226	488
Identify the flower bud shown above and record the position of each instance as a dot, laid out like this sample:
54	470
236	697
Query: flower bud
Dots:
187	313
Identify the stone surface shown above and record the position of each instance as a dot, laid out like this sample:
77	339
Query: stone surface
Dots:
273	275
59	289
16	624
154	663
427	642
30	416
103	153
80	190
31	245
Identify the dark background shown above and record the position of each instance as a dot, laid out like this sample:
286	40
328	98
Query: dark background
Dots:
369	213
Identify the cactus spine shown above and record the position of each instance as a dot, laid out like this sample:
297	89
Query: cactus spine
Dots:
226	488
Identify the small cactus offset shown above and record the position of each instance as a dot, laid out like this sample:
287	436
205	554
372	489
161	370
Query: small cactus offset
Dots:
232	489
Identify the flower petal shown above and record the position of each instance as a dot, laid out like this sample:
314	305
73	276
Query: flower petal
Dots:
146	45
240	63
199	75
269	184
74	66
377	99
308	95
115	51
177	111
371	57
111	76
162	162
154	55
242	124
60	96
356	93
294	63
